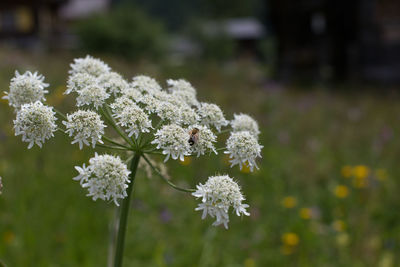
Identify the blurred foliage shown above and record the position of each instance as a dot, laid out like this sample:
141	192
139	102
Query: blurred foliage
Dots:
326	193
214	43
177	13
125	31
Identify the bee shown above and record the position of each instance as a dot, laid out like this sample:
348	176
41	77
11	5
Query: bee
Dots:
194	136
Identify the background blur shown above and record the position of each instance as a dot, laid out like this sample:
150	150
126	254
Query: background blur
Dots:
321	77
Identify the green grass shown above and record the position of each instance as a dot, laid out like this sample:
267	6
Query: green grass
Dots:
46	219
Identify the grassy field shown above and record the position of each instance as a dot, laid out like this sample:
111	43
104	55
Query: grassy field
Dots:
325	194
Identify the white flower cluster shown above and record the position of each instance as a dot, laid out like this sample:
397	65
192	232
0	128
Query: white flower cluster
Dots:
26	88
168	112
212	115
217	195
36	123
145	84
94	82
113	83
243	122
243	148
183	90
89	65
173	140
205	142
86	127
93	94
106	177
183	127
78	81
130	115
188	116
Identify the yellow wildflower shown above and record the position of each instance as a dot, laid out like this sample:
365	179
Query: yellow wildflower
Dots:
290	239
387	260
8	237
361	171
341	191
347	171
289	202
186	161
342	239
339	225
305	213
249	262
245	168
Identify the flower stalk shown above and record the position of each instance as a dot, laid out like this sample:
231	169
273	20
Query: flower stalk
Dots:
124	212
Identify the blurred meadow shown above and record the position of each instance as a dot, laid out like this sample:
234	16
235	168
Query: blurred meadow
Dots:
326	193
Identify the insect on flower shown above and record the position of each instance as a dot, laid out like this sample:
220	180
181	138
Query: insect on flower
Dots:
194	136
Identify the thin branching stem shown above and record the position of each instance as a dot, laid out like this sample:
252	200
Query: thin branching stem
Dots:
60	113
112	147
113	142
61	130
165	179
115	126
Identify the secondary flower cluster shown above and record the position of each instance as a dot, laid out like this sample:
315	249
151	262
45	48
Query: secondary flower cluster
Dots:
106	177
148	118
218	194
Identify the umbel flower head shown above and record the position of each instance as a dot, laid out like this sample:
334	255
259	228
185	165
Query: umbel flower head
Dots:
243	148
26	88
89	65
106	177
212	115
36	123
85	126
243	122
173	140
217	195
183	126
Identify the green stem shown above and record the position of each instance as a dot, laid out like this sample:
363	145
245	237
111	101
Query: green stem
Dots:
114	125
119	252
60	114
114	143
165	179
112	147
